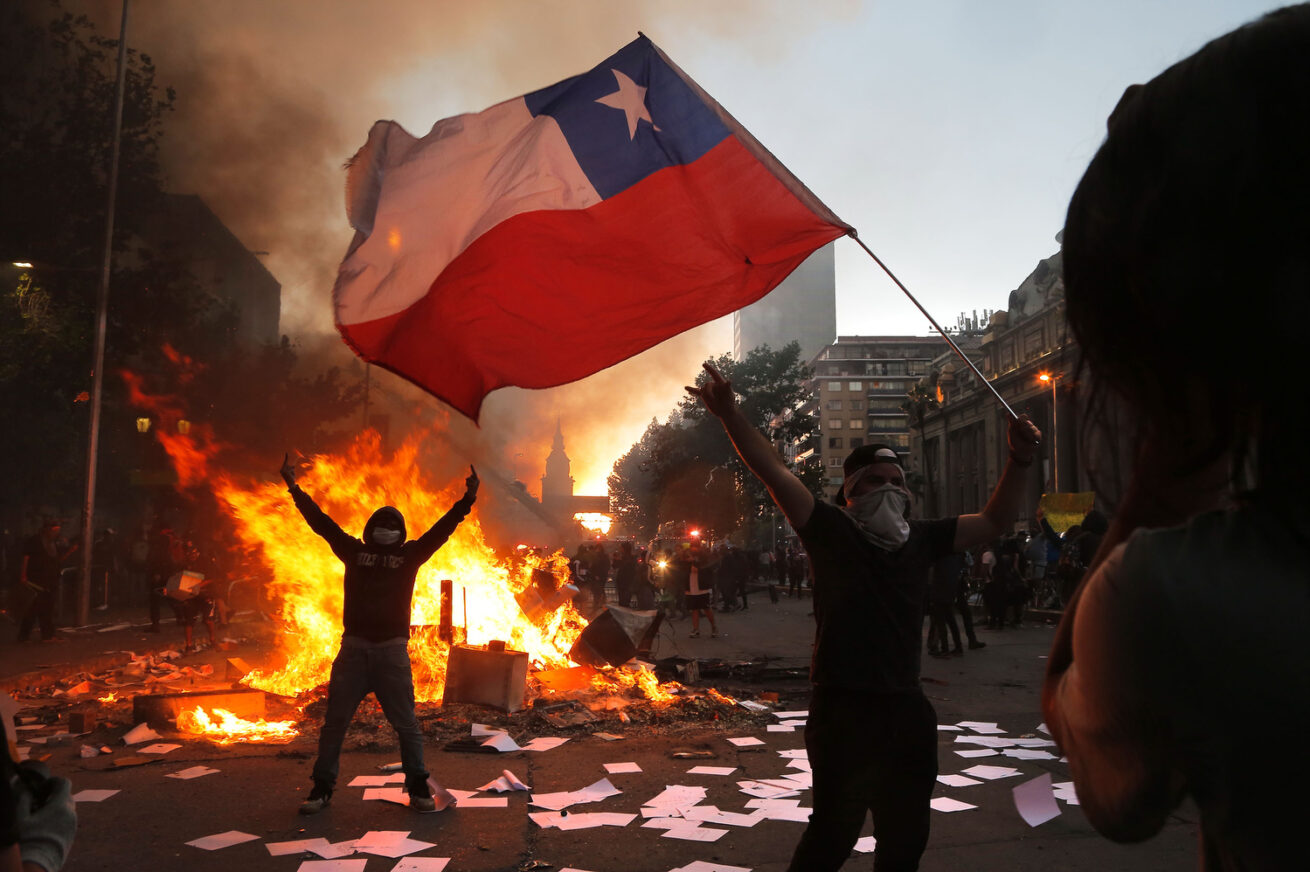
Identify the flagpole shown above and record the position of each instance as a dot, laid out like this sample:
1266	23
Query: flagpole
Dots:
933	321
102	308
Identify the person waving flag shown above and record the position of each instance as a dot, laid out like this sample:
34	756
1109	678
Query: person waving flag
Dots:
561	232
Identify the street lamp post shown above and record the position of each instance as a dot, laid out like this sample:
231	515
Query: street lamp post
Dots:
1055	430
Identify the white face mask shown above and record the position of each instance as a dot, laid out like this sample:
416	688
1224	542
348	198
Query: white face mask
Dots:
880	515
385	536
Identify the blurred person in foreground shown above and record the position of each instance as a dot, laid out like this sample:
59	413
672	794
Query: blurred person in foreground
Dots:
37	816
871	736
379	591
1182	652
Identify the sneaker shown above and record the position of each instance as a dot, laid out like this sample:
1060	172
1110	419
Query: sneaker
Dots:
695	635
420	799
318	800
714	635
974	645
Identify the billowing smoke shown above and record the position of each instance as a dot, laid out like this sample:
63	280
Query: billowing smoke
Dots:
274	97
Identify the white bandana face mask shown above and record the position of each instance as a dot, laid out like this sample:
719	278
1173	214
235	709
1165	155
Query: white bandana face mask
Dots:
385	536
879	514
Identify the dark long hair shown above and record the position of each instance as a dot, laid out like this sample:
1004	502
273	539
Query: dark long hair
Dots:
1187	253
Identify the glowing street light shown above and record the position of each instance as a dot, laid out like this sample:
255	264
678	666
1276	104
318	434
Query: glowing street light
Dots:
22	264
1047	378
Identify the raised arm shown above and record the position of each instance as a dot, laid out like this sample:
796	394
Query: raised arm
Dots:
793	497
427	544
998	516
318	521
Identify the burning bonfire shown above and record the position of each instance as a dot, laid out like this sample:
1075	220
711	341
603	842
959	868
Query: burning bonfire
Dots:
304	578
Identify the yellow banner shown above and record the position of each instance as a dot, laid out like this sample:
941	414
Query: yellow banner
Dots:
1062	511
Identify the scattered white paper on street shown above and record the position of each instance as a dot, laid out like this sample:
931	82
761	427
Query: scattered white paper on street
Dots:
396	849
765	791
297	846
1041	728
192	772
140	733
866	844
1035	800
545	743
797	813
1034	742
803	779
782	716
978	752
957	780
777	728
377	838
621	768
387	794
506	782
501	742
945	803
795	754
772	803
608	737
158	748
980	726
484	802
332	866
422	864
1028	754
676	795
802	765
985	741
222	840
377	780
93	795
702	866
951	727
711	770
752	706
712	815
89	751
745	741
332	851
483	731
800	723
990	772
694	834
589	820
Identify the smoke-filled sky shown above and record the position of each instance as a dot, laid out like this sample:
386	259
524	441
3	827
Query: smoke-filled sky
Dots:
951	133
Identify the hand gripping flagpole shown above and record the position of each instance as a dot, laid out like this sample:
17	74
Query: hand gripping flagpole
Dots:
933	321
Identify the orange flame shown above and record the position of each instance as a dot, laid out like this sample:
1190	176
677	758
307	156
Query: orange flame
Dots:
305	577
112	697
225	728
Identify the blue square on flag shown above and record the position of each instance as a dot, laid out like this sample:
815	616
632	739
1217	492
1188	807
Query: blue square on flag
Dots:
628	117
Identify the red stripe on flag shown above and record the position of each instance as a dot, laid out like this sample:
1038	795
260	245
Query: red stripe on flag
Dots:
546	298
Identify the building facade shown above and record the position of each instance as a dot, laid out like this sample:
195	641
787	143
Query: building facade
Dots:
859	389
803	308
1026	353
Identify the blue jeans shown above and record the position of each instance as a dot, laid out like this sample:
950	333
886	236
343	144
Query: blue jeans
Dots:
383	668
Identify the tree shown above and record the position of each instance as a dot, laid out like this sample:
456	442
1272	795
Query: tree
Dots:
920	400
687	469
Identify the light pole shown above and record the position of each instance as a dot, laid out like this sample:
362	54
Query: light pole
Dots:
1047	378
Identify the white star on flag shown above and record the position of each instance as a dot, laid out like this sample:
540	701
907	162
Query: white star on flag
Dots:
631	98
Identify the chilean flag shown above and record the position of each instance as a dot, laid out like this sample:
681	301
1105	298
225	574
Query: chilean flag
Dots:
556	234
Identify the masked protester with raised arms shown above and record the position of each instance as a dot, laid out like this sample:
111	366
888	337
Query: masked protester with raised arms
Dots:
871	736
379	588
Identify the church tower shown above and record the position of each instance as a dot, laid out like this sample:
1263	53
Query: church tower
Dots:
557	484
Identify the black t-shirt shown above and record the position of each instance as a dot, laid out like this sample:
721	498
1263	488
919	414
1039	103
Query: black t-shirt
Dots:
868	602
42	566
379	582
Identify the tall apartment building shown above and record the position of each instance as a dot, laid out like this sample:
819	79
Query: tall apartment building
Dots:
803	308
859	385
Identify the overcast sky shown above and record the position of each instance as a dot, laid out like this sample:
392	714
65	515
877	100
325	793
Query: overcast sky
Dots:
950	133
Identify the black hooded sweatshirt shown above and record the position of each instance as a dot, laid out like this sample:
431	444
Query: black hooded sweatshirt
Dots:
379	584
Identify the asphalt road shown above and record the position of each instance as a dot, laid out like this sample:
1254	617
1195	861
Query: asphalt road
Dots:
257	788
